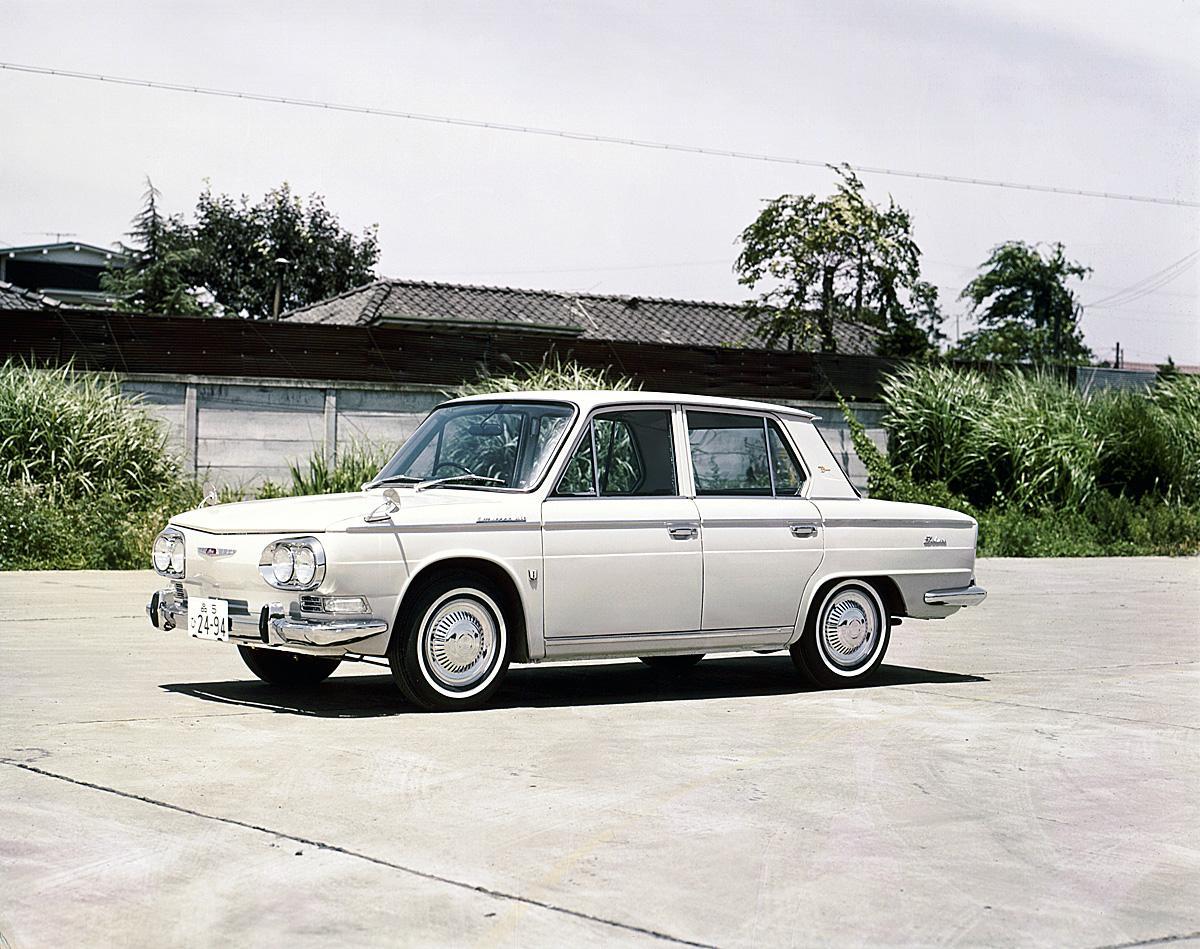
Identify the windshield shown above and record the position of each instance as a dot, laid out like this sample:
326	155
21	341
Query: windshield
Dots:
481	445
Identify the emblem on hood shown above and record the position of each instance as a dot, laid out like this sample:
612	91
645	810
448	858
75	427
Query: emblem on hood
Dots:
935	541
217	551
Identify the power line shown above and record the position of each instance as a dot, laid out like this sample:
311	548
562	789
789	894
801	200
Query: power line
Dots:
591	137
1147	285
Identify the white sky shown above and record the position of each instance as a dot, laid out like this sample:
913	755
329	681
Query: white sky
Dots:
1101	96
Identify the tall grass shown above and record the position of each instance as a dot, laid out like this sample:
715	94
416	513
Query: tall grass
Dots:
1033	441
87	477
76	435
552	373
356	464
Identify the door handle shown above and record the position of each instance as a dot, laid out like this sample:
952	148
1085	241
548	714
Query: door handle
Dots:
804	530
682	531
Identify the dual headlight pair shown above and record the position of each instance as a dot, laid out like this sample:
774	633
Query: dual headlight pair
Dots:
297	563
168	556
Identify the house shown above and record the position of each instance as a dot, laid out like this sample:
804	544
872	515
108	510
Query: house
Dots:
67	271
422	304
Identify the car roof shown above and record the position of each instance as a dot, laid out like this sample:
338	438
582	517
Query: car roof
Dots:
587	399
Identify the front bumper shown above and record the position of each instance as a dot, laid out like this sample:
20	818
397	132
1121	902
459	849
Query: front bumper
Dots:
960	596
271	627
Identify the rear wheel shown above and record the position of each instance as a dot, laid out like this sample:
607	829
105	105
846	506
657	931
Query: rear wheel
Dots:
845	638
671	663
291	670
450	648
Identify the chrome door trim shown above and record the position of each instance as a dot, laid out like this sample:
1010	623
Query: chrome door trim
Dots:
582	525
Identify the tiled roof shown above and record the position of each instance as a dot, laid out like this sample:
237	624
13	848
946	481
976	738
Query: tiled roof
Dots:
591	316
18	298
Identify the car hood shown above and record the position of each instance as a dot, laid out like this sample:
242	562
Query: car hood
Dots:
320	513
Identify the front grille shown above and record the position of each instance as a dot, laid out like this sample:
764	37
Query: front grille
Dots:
312	604
180	593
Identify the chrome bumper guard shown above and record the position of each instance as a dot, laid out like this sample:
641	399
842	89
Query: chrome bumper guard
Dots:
272	626
962	596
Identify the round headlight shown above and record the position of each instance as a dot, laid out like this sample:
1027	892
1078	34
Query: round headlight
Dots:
177	555
162	553
306	565
283	564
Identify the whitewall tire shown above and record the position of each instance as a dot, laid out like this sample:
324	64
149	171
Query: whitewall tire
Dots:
451	645
845	637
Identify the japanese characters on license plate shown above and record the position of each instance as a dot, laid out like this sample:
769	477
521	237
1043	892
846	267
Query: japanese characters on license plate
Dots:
208	618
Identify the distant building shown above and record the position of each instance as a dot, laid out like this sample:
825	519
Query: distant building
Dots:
68	272
418	303
18	298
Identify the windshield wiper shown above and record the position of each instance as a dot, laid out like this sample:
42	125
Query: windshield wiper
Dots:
391	479
461	477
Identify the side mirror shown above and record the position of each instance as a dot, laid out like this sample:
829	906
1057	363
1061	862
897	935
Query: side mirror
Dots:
390	505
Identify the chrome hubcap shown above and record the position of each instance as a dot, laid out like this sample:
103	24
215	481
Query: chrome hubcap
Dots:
460	642
850	631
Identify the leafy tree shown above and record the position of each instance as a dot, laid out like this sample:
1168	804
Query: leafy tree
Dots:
1026	311
815	261
915	332
156	277
237	244
226	260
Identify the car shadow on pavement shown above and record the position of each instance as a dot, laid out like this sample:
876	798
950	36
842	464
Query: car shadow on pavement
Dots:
569	684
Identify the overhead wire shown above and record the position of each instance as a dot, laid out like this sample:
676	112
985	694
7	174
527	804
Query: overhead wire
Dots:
595	138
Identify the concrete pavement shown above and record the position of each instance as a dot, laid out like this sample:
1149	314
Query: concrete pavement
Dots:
1023	773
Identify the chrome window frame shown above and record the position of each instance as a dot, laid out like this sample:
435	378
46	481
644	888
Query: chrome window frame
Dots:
767	417
587	431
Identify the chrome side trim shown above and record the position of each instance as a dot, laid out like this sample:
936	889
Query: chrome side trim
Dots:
962	596
897	522
752	522
617	525
471	528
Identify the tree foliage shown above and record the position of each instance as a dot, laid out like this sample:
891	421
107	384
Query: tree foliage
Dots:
1025	309
225	261
156	277
815	261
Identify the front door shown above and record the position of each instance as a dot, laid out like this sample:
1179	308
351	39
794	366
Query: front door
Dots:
762	541
622	552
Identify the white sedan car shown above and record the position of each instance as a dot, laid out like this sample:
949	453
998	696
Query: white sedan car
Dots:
537	526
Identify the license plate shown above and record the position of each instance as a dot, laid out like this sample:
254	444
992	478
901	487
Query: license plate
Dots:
208	618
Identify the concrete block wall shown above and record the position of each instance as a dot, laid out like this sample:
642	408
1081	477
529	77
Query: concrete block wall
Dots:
239	432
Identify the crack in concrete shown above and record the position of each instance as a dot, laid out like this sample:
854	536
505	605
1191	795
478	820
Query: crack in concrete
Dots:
1156	941
1048	708
378	861
1126	665
153	718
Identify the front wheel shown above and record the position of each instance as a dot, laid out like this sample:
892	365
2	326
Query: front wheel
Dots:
450	648
291	670
845	638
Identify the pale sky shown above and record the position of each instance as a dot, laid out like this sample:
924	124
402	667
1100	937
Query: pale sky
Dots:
1098	96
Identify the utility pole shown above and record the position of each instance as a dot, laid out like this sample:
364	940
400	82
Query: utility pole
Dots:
1117	365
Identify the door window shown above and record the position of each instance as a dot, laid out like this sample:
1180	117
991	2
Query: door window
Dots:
741	456
623	454
789	476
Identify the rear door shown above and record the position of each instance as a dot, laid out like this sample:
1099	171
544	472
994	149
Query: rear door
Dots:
762	540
